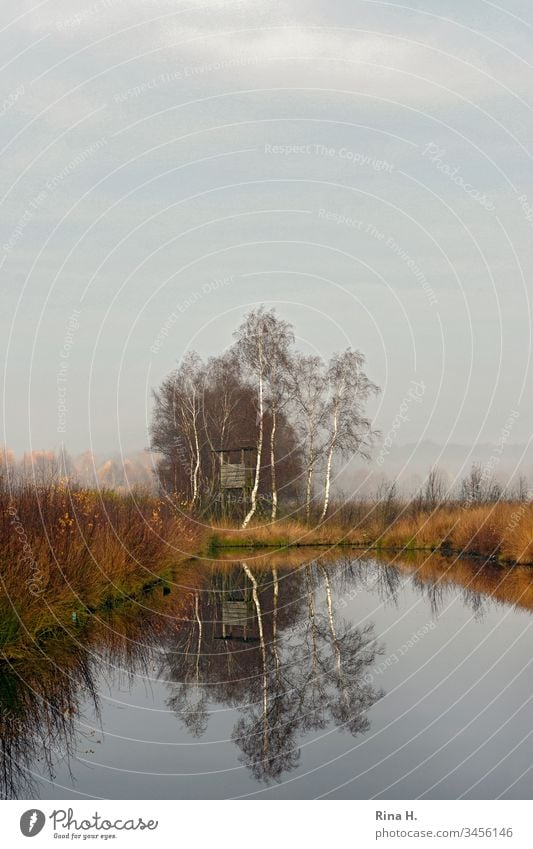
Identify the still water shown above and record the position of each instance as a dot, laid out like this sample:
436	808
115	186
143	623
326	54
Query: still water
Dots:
284	677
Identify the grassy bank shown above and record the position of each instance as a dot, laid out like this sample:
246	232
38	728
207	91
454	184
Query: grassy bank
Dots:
503	530
65	553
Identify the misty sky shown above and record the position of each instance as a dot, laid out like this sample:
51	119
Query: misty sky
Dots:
364	167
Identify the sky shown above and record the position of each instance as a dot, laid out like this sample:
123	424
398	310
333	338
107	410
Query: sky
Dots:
364	167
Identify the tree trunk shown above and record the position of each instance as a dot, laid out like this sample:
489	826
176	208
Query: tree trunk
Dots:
342	687
199	649
310	469
275	591
328	467
262	646
312	617
308	489
274	513
253	506
197	462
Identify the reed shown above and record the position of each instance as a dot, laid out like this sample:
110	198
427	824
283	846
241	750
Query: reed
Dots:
66	552
502	530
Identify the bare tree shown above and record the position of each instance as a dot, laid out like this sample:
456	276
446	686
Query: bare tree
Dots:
7	468
42	468
296	412
435	489
309	386
224	398
521	490
472	486
262	342
279	392
388	502
175	426
479	487
348	431
202	407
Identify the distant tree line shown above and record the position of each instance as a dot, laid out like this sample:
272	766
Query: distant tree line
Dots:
42	468
476	488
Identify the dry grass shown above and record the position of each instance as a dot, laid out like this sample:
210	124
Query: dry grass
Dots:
284	533
264	560
503	530
66	552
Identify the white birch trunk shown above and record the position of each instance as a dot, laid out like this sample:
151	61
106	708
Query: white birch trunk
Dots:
312	619
199	649
327	486
309	469
275	620
274	513
342	686
255	596
197	462
253	506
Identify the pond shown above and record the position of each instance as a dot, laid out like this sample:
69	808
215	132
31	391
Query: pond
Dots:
301	675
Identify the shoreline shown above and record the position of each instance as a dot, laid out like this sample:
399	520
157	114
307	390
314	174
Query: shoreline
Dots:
442	550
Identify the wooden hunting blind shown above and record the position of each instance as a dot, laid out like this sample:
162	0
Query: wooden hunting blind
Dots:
236	475
233	476
235	615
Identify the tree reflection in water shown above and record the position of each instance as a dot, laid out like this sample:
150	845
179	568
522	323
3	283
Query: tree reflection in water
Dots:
278	652
264	637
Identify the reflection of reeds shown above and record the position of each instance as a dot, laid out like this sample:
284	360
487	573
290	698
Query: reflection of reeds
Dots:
41	692
265	560
433	572
37	705
489	580
64	553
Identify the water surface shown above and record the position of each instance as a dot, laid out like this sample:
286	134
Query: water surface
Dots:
284	677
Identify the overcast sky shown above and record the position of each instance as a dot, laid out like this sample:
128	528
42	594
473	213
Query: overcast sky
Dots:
364	167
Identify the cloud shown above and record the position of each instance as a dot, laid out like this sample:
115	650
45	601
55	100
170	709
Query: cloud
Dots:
291	46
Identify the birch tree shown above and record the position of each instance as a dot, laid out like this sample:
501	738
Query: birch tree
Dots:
309	386
279	393
349	433
260	342
200	408
176	424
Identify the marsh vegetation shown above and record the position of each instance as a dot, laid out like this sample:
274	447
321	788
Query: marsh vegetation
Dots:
66	552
